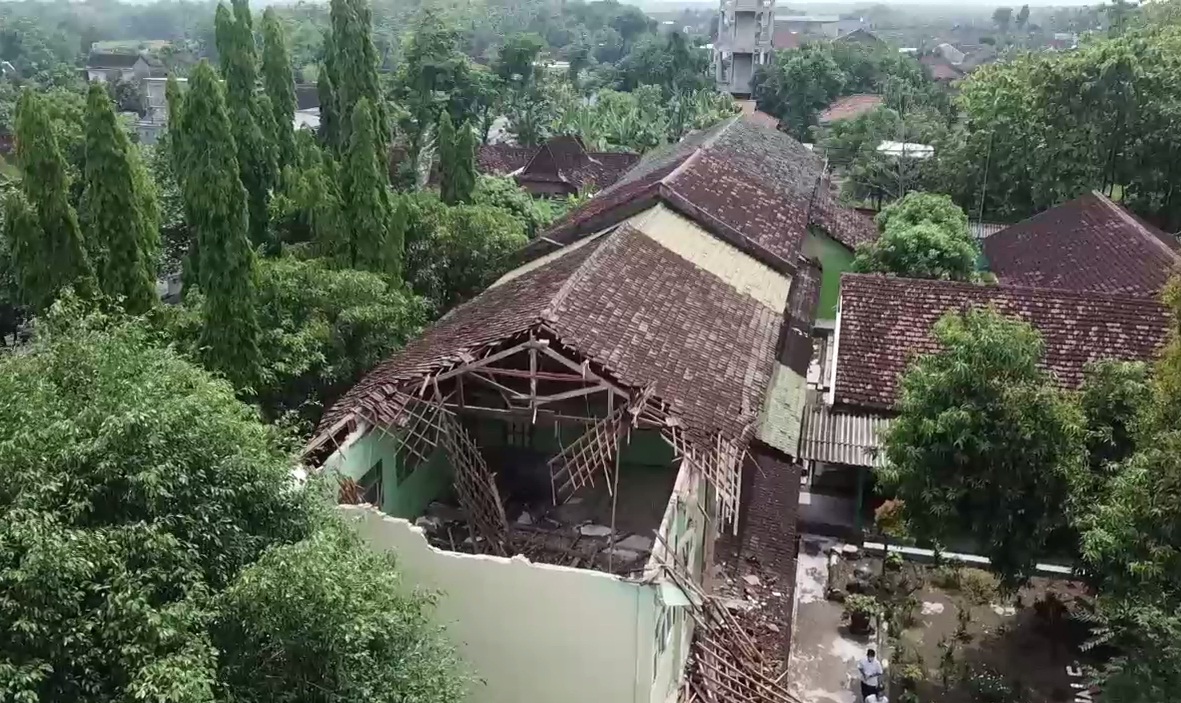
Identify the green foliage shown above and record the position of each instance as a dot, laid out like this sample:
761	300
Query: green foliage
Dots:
503	193
55	248
12	309
350	66
925	236
978	586
366	203
797	85
1114	397
515	62
383	645
120	232
249	117
134	485
453	253
983	443
864	605
458	168
666	61
309	210
616	121
1057	125
215	203
323	328
279	85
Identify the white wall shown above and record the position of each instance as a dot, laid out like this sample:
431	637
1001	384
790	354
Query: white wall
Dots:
533	633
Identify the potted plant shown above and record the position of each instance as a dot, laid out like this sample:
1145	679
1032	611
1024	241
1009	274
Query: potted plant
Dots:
861	609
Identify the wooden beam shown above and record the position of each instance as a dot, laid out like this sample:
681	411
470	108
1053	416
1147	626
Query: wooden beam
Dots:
541	375
522	413
479	363
503	390
584	370
542	400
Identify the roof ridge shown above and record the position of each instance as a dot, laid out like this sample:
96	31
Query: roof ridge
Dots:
549	312
1062	292
1136	223
697	151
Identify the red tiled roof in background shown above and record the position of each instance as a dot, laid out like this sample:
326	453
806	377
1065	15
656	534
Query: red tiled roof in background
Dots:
502	159
849	107
740	176
940	68
1087	244
783	38
623	301
885	322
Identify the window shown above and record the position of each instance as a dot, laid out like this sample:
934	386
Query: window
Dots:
370	485
404	469
518	434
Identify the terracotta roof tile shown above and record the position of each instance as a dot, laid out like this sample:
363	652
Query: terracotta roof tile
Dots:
848	107
623	301
502	159
885	322
752	179
1087	244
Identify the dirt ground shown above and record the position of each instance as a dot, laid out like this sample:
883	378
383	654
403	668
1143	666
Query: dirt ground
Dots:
1037	653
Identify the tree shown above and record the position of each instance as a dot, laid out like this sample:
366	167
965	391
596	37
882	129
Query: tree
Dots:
1002	17
984	444
256	154
113	209
366	203
279	84
309	212
925	236
457	161
153	536
55	248
323	329
517	59
796	85
1114	398
453	253
216	205
383	641
1022	17
351	67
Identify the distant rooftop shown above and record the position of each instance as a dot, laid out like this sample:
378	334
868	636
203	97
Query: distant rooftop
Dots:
820	19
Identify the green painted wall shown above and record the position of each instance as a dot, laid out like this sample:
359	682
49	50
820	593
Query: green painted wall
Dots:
835	258
405	495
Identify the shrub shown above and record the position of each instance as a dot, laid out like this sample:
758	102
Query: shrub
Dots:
978	586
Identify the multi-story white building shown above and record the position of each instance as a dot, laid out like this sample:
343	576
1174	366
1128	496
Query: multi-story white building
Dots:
743	43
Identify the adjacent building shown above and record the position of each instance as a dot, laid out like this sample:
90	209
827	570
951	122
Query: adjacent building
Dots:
108	67
744	42
595	460
1085	274
849	107
559	168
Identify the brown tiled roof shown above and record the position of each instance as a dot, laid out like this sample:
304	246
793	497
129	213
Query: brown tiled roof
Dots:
740	178
625	303
1089	244
112	59
783	38
849	106
941	69
562	159
502	159
885	322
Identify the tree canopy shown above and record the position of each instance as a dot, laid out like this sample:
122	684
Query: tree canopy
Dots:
924	236
984	444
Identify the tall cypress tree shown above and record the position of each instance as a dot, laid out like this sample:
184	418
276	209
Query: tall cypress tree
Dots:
112	210
365	199
22	233
215	202
256	153
463	155
61	253
279	85
329	119
447	166
353	69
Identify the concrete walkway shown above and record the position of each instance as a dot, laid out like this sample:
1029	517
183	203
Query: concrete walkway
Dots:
823	654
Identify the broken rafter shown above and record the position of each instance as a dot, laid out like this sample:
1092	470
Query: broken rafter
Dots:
475	486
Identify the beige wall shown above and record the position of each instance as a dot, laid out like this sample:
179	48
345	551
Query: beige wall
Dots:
536	633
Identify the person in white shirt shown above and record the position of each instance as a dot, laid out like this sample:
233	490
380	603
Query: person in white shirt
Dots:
871	672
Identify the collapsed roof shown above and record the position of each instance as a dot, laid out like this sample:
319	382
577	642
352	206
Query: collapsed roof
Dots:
885	322
1087	244
562	160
